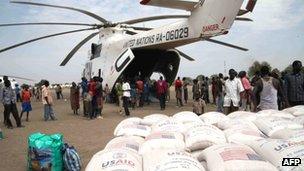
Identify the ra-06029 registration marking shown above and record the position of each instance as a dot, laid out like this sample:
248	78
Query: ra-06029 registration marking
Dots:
159	37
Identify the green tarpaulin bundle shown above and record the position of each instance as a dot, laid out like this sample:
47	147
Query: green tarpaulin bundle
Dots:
44	152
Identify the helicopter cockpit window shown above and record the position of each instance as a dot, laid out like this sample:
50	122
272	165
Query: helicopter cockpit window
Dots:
95	50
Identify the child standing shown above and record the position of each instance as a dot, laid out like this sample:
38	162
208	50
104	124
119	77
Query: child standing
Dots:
199	106
26	102
87	107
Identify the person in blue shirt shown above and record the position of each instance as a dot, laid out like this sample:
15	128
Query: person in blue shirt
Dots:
17	91
147	92
84	86
133	95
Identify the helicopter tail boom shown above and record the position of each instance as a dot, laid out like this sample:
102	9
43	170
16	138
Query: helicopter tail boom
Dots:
212	17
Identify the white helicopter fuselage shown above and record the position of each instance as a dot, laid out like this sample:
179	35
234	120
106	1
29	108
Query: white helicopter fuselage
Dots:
208	19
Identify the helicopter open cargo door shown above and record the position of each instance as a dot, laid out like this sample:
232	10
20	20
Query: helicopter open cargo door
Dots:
120	64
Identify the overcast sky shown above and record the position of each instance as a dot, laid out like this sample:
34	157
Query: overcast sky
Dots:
275	36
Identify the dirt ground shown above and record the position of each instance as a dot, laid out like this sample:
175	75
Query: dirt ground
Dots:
88	136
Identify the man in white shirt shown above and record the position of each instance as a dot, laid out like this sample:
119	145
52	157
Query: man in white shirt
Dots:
126	96
47	101
233	88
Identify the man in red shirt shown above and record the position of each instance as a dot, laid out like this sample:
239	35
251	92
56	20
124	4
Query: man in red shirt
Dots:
139	92
161	87
26	102
92	91
178	90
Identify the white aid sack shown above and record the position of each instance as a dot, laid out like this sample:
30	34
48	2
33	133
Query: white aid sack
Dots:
162	141
299	120
295	135
133	130
236	123
115	159
275	113
243	115
169	125
234	157
133	120
191	124
275	150
186	116
153	119
213	118
171	160
296	110
270	125
265	113
241	135
201	136
125	142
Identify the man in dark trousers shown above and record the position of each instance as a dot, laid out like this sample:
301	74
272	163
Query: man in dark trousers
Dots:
9	101
294	85
126	96
162	87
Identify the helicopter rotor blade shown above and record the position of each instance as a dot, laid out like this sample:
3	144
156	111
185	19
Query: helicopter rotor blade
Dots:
76	48
64	7
185	55
160	17
44	37
46	23
243	19
17	77
226	44
138	28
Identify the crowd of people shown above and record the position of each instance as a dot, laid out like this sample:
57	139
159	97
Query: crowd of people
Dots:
10	95
92	95
134	93
266	90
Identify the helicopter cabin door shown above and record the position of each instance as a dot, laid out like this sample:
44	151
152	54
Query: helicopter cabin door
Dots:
120	64
88	70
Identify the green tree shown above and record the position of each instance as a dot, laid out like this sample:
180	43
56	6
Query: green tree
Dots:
214	75
288	69
256	66
40	83
188	79
200	77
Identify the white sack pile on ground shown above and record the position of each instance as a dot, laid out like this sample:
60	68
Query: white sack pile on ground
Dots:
213	141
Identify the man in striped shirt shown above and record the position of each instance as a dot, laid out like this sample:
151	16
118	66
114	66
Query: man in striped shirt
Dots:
295	85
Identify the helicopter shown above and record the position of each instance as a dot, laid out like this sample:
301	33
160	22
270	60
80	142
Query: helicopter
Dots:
125	50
